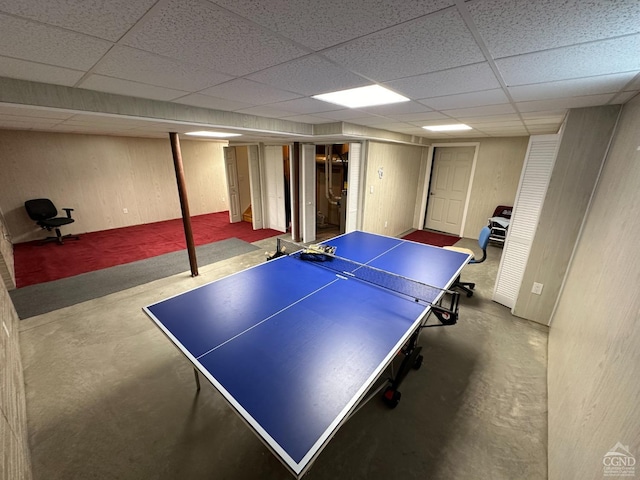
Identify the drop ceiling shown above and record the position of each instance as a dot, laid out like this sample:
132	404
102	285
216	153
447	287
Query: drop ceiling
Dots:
504	67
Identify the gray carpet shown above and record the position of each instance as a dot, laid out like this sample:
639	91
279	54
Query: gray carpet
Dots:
46	297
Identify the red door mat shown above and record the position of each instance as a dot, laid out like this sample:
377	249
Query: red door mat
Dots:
432	238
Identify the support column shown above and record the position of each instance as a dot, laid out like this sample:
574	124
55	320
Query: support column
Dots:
184	202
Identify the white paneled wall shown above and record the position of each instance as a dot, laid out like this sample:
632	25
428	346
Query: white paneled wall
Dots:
594	339
100	176
391	189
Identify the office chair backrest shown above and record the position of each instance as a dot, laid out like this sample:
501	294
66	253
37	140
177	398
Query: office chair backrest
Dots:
483	241
40	209
483	238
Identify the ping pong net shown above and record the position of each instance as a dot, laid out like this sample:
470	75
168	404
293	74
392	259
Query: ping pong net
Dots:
325	257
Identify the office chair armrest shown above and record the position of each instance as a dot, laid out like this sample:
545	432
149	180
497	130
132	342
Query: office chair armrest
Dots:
68	210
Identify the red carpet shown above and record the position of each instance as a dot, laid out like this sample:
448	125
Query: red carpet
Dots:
36	263
432	238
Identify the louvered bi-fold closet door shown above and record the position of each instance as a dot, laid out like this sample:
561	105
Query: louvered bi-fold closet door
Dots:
536	172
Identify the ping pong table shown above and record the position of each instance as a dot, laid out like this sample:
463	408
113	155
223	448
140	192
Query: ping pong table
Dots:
296	347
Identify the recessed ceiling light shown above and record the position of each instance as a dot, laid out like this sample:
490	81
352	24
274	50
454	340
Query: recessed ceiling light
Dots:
213	134
362	97
448	128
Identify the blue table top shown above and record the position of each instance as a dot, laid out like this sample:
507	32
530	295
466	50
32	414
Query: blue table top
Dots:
293	346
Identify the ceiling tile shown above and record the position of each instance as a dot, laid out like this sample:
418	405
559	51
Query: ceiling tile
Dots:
144	67
305	106
550	119
308	119
38	72
463	100
437	135
248	91
265	111
523	133
396	109
557	113
201	33
194	50
396	126
448	82
407	127
545	128
310	75
492	130
479	111
345	114
205	101
571	88
407	50
131	89
572	102
520	26
419	117
370	120
481	124
333	21
470	134
40	43
598	58
109	20
508	117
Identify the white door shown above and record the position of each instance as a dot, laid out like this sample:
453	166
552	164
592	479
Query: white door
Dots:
308	193
448	190
231	169
255	186
275	216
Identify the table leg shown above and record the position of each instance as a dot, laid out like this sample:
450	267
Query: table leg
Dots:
195	372
412	360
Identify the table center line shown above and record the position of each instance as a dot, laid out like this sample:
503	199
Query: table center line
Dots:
267	318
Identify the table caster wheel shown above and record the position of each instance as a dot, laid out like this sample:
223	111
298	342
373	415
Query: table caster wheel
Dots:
391	397
418	363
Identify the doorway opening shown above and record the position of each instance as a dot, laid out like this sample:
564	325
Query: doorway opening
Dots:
332	169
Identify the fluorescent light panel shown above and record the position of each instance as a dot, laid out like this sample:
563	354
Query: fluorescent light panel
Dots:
213	134
448	128
362	97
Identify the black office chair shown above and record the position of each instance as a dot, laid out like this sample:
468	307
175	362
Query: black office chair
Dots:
483	241
44	213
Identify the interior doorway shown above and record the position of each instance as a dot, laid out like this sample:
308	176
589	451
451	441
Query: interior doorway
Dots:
258	185
332	169
449	188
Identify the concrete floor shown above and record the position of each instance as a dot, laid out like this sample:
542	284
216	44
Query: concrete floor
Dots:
109	397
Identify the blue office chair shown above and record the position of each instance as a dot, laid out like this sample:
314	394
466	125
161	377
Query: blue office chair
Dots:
483	241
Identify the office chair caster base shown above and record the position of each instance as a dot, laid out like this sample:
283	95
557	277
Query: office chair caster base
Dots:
59	240
466	287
